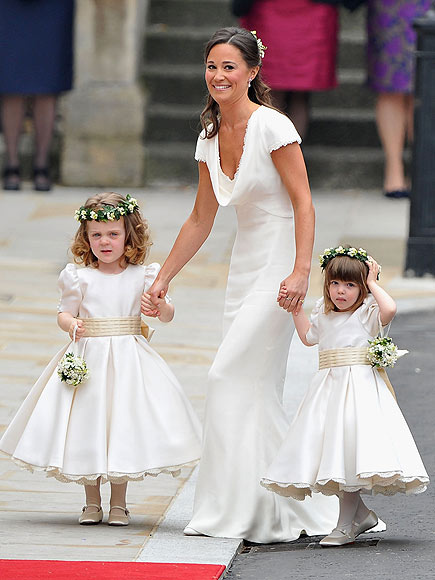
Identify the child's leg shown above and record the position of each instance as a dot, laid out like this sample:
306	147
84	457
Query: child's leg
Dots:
349	503
118	493
119	514
92	512
93	497
344	530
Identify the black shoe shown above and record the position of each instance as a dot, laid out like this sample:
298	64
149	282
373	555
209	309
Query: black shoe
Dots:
11	179
397	193
41	179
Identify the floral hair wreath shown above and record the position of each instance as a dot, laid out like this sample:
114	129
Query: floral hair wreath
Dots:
108	212
330	253
261	47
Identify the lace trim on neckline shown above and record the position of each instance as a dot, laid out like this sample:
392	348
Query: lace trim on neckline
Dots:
236	174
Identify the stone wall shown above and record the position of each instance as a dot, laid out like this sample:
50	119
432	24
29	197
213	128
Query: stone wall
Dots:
104	114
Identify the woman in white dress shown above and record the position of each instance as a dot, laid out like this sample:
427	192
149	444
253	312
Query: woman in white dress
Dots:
249	157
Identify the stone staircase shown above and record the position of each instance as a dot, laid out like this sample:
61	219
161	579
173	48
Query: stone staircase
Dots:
342	148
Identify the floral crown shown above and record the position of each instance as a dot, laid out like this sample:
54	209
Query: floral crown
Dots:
107	212
261	47
331	253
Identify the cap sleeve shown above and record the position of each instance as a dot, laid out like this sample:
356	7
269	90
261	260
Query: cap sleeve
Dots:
279	131
201	148
71	294
313	332
370	316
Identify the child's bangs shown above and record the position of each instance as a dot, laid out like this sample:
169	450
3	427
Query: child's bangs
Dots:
346	269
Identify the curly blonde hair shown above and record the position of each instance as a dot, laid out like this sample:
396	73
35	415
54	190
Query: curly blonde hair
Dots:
137	233
346	269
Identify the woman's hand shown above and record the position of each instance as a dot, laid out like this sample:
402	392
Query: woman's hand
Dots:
149	303
76	323
292	292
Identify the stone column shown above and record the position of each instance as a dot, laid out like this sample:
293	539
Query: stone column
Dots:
104	114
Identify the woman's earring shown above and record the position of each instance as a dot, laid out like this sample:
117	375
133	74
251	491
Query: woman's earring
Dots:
249	83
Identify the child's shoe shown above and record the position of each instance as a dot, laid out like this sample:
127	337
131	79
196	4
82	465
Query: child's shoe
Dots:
369	522
338	537
89	518
118	516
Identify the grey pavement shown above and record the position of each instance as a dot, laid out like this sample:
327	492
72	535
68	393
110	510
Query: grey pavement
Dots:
38	515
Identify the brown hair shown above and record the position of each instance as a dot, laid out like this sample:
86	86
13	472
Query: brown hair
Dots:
258	92
137	234
346	269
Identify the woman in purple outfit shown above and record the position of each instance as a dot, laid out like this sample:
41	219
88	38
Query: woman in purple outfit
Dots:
391	41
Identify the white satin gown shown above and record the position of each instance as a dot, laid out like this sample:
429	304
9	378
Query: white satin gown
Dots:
245	421
130	419
348	433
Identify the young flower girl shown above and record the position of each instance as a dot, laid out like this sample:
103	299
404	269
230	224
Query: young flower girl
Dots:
130	418
349	435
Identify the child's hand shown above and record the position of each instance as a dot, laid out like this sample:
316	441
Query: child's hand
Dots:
374	270
282	292
76	322
150	307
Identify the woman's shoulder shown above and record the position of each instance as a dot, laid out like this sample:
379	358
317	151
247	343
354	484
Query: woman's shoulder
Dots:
276	129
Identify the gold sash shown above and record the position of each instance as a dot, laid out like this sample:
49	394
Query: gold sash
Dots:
117	327
341	357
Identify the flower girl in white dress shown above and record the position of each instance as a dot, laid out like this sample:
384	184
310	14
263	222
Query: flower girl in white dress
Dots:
130	418
331	446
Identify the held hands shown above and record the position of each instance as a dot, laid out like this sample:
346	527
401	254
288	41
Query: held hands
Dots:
76	322
152	306
292	292
149	304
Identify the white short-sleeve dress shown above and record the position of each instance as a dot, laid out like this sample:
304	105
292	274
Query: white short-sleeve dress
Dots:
349	433
130	419
245	422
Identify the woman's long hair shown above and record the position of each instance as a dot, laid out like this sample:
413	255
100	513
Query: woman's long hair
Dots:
258	92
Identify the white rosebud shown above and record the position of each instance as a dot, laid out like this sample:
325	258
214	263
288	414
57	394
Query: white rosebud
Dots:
94	215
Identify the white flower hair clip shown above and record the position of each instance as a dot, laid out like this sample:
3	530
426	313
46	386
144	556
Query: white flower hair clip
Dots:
261	47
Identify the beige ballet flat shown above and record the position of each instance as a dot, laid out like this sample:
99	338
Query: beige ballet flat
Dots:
369	522
338	538
119	519
88	518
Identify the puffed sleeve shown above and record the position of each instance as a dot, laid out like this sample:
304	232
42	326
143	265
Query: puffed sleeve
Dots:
313	333
151	272
68	284
278	131
201	148
370	316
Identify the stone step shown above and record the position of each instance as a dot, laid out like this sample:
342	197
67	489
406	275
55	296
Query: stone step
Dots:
328	167
191	13
345	127
185	45
185	85
200	13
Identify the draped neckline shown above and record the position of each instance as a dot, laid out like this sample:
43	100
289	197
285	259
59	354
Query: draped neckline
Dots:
236	174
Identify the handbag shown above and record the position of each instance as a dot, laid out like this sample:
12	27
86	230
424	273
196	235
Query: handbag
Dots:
241	7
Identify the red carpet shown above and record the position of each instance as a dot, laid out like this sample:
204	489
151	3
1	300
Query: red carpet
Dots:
61	570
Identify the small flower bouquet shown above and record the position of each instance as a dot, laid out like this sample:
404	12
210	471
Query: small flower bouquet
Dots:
72	369
382	352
